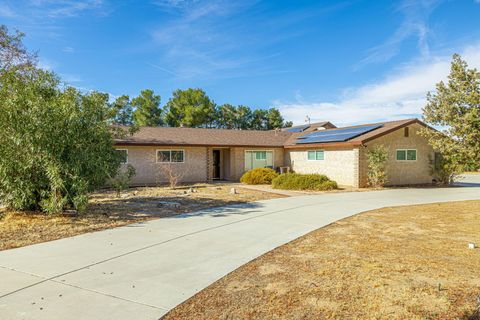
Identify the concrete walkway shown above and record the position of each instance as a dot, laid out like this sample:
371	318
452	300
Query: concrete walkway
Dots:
143	270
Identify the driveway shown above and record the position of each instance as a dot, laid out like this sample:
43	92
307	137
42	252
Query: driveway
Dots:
143	270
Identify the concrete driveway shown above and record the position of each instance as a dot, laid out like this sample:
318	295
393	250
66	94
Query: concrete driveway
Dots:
143	270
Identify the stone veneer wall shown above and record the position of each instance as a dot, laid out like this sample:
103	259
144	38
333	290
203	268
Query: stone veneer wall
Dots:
148	172
401	172
340	165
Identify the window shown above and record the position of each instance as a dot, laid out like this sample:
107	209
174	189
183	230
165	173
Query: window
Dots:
411	155
258	159
170	156
406	155
260	155
316	155
123	154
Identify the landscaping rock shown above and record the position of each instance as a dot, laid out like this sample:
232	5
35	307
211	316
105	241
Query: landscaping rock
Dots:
168	204
233	191
70	213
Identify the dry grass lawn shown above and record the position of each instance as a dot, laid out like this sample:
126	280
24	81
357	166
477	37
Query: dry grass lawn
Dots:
395	263
105	211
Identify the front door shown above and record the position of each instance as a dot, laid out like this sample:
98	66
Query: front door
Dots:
216	164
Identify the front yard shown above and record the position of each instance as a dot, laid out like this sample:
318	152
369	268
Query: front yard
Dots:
105	211
409	262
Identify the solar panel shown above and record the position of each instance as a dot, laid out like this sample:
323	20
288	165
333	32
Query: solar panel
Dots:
298	128
337	135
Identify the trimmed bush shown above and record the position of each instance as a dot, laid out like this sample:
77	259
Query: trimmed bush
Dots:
296	181
259	176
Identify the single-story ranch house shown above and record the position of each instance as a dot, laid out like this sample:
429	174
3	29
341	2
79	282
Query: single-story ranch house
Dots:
201	155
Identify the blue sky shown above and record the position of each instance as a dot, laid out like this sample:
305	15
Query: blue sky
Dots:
344	61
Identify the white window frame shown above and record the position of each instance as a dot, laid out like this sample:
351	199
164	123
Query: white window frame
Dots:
316	150
126	162
406	155
170	150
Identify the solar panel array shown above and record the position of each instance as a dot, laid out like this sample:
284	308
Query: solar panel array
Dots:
337	135
298	128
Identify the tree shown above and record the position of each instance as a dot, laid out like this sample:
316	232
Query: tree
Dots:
259	120
13	54
243	117
122	111
274	119
455	106
147	109
227	115
288	124
56	144
190	108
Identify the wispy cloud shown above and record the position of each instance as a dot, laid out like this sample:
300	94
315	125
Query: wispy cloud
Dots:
399	95
415	24
65	8
6	11
68	50
209	38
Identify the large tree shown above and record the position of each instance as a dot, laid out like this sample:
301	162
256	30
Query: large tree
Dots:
190	108
274	119
455	106
227	116
147	109
243	117
56	143
122	111
259	120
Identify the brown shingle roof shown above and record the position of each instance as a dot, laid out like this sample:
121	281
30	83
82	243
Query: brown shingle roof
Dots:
386	128
205	137
249	138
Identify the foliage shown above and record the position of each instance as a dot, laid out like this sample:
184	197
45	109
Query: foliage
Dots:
296	181
55	143
122	111
168	171
376	161
123	179
259	176
227	116
147	109
13	54
190	108
443	171
455	106
274	119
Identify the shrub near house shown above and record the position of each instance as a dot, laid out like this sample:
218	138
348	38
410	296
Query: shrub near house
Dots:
295	181
259	176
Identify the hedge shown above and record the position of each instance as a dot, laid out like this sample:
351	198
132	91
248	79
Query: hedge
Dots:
296	181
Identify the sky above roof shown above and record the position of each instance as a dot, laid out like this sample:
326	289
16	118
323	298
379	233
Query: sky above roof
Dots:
347	62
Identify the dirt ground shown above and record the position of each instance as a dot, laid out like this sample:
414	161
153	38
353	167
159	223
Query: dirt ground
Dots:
408	262
106	211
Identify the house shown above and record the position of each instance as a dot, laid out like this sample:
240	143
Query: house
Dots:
200	155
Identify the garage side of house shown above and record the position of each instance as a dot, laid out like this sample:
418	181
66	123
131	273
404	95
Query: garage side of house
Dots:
410	157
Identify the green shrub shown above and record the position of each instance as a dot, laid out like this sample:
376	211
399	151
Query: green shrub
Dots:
259	176
377	160
296	181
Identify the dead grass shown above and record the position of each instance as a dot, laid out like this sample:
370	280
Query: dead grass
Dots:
394	263
106	211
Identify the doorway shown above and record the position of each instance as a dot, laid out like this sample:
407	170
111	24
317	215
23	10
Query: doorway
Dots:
216	165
